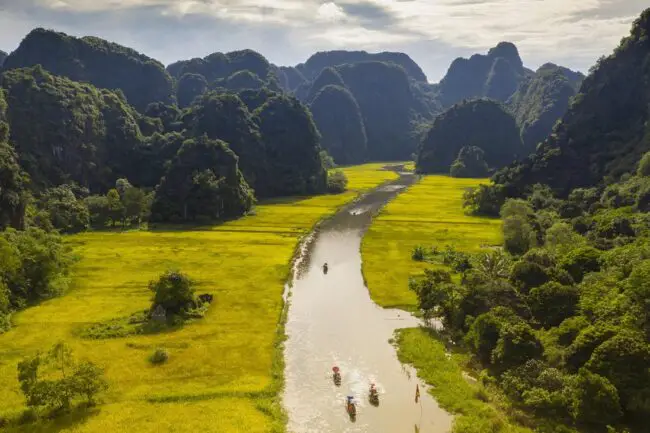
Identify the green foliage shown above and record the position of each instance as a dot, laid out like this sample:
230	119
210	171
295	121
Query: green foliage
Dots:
67	212
484	200
159	356
517	344
470	163
419	253
644	165
190	86
552	303
337	182
339	121
581	261
518	233
91	148
292	148
541	100
390	116
203	183
596	400
92	60
482	123
64	379
174	291
603	135
495	75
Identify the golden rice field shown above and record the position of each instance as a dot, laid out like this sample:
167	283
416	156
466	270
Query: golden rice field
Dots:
429	213
224	373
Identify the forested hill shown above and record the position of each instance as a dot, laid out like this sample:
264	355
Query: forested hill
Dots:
319	61
541	100
237	70
96	61
496	75
606	129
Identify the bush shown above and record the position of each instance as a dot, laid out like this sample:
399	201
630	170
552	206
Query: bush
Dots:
644	165
517	344
485	200
418	253
552	302
581	261
159	356
173	291
595	400
337	182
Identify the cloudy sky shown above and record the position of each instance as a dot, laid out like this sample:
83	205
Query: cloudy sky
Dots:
572	33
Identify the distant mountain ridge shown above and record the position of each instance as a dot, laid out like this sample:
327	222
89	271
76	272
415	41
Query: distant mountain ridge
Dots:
96	61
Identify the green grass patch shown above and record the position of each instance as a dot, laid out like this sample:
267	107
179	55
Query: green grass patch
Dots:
430	214
468	400
227	369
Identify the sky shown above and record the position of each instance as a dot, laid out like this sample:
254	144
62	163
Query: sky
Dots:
572	33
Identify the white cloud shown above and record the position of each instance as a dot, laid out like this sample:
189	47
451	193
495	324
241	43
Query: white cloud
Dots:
331	12
572	32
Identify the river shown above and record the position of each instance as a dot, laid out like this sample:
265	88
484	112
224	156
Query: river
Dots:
332	321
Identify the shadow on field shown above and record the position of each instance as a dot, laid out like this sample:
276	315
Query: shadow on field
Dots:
70	421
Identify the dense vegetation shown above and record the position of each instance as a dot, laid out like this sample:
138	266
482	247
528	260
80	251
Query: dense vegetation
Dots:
96	61
319	61
541	100
483	123
605	131
338	116
496	75
92	148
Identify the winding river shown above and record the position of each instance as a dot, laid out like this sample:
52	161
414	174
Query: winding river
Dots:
333	321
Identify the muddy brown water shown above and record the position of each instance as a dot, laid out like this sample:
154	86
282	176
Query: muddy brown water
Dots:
332	321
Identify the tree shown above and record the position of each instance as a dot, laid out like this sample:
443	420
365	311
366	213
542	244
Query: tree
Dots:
67	213
552	303
644	165
625	361
98	210
337	182
595	400
174	291
561	238
65	380
203	183
470	163
518	233
114	206
485	200
581	261
517	344
135	203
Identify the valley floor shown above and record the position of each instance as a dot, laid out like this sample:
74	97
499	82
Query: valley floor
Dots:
225	371
430	214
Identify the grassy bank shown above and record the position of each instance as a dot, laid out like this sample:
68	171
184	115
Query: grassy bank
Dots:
467	399
429	213
224	373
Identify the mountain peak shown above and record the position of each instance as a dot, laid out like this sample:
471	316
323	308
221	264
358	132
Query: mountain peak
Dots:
508	51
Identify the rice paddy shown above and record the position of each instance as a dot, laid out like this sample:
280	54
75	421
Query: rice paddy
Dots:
430	214
224	372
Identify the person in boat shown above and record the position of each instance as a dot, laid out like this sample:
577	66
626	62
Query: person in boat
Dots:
351	406
336	376
373	395
325	268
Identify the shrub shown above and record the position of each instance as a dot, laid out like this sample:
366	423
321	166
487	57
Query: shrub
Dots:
337	182
418	253
552	302
581	261
644	165
159	356
595	400
173	291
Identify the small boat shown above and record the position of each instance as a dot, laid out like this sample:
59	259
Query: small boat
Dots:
325	268
373	395
351	407
336	376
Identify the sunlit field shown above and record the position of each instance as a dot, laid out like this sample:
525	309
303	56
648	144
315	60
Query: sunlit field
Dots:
430	213
224	371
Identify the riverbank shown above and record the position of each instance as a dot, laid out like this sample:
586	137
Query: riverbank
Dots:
429	213
223	373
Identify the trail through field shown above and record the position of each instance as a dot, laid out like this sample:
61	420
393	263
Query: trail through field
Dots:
333	322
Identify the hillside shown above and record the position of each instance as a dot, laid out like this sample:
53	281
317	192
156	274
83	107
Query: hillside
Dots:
541	100
3	56
495	75
319	61
483	123
605	131
96	61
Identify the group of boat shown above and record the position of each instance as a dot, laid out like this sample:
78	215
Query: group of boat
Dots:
350	403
